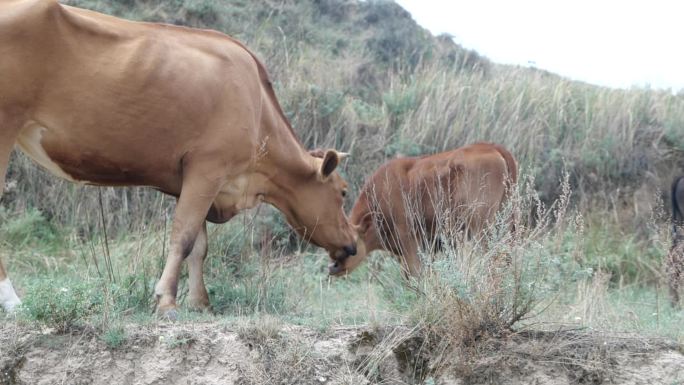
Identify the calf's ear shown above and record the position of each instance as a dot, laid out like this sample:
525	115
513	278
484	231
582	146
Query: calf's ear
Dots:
329	164
366	222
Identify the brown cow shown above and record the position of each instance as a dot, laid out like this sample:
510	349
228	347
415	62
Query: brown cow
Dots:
100	100
400	206
674	264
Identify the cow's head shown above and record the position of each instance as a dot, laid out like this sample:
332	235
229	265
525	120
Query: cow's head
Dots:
366	239
315	208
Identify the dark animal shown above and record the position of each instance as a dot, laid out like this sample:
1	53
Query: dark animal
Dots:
674	264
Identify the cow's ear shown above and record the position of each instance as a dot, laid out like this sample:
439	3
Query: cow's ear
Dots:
317	153
330	162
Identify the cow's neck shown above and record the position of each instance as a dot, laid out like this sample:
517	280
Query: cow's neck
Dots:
283	160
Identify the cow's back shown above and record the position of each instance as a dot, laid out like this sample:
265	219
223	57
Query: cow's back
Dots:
115	102
416	197
22	24
462	188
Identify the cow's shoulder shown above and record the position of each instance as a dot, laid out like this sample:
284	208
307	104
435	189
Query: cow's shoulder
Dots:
26	12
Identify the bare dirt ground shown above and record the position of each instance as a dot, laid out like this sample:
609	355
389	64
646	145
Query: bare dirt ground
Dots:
209	353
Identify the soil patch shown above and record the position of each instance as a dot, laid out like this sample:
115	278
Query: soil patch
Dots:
212	353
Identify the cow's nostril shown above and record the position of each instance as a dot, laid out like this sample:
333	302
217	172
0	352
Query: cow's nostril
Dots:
334	268
350	250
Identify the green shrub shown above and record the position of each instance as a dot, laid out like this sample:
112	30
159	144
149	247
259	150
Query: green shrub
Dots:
28	228
258	291
62	305
134	293
114	336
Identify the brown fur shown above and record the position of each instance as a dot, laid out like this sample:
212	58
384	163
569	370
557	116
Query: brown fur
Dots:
189	112
399	207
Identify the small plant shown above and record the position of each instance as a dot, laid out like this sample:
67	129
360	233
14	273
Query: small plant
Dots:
261	330
28	228
261	291
177	340
114	336
62	306
134	292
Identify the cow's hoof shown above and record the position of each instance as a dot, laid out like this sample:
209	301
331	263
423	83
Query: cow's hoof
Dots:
169	314
201	309
200	305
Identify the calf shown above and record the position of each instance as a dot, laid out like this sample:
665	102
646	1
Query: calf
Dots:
404	203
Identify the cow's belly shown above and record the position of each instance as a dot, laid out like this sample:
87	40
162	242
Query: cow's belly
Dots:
29	142
81	160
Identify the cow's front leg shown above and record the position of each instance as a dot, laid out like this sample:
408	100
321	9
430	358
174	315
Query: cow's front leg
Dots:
198	299
195	199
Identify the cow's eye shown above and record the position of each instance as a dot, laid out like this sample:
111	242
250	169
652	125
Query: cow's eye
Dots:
344	193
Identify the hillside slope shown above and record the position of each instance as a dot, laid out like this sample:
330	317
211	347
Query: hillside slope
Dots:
362	76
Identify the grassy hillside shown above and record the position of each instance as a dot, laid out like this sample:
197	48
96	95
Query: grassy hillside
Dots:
363	77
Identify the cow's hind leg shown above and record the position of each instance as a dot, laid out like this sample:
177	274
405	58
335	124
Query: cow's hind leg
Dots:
198	299
10	124
197	194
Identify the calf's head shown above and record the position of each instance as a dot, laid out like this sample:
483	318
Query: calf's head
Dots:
366	240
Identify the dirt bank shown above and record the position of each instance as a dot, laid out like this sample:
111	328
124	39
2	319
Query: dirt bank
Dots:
273	353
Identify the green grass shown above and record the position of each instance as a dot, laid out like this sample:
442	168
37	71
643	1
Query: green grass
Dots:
61	303
563	272
593	305
114	336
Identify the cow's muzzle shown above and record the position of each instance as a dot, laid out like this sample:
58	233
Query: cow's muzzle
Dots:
336	267
344	253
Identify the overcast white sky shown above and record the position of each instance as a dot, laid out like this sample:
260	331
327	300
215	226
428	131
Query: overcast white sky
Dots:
606	42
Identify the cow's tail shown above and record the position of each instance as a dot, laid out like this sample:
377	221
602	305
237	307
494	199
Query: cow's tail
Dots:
510	181
677	214
512	167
